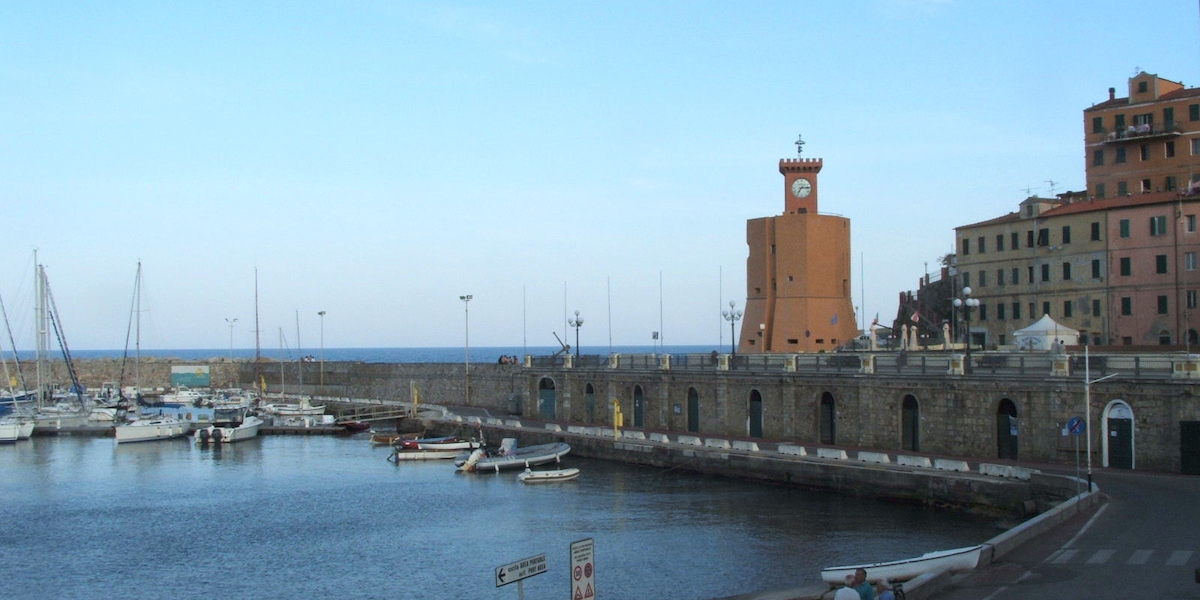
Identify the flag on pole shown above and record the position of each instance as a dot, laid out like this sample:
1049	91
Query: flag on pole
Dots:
916	316
876	321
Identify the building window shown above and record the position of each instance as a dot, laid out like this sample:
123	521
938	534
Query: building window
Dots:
1097	158
999	276
1016	310
1195	146
982	312
1191	299
1126	268
1100	190
1000	311
1126	305
1162	305
1120	159
966	245
1169	185
1124	228
1016	276
1000	243
1095	268
1160	264
1190	221
1043	238
1170	149
1194	112
983	279
1158	225
1145	186
1098	123
1066	234
1189	261
1045	272
1045	308
980	245
1142	85
1016	239
1067	309
1144	151
1031	274
1122	188
1029	239
966	279
1096	231
1066	271
1119	122
1031	313
1095	308
1168	116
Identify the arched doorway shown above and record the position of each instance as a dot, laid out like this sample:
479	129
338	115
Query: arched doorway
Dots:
1193	337
910	431
827	419
547	399
693	408
1118	435
756	414
589	402
639	407
1006	430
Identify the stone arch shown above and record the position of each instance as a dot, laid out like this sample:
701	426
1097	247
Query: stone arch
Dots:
547	399
693	410
754	414
1164	338
910	424
589	402
1117	436
827	419
639	407
1006	430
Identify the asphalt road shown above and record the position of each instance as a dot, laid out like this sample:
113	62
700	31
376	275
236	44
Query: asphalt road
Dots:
1144	542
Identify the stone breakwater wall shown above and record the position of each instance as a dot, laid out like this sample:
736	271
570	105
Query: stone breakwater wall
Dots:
491	385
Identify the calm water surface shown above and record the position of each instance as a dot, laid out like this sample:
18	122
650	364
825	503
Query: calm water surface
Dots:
307	517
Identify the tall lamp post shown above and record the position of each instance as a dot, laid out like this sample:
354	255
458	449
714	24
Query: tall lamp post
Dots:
966	303
732	316
467	345
321	314
576	322
230	322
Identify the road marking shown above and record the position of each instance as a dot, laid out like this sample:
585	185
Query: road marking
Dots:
1139	557
1065	557
1101	557
1071	541
1179	558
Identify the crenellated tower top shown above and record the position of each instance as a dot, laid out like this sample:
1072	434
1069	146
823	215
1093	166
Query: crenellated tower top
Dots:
800	184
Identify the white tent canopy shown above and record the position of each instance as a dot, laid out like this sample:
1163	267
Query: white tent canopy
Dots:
1043	333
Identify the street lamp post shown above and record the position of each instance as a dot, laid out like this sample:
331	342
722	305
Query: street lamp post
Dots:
577	322
732	316
966	303
1087	408
231	322
322	370
467	346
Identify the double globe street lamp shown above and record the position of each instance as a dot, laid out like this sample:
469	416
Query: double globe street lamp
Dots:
966	303
577	322
732	316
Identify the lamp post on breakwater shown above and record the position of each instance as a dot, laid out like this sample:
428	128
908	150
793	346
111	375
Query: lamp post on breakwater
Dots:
467	346
966	303
732	316
577	322
322	370
230	322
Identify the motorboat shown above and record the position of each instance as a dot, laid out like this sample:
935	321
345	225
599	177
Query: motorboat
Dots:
509	456
294	409
152	427
548	476
958	559
230	425
431	448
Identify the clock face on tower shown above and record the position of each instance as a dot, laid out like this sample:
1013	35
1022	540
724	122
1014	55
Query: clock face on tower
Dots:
801	188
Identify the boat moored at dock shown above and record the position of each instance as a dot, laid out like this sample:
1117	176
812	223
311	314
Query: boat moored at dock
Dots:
509	456
958	559
230	425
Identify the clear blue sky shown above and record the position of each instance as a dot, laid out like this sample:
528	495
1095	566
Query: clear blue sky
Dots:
376	160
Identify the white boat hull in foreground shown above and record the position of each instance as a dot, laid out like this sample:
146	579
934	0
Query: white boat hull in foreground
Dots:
550	476
958	559
149	429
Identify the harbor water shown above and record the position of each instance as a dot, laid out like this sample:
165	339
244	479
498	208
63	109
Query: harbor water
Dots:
315	517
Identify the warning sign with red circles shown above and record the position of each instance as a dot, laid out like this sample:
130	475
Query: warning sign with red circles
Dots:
583	570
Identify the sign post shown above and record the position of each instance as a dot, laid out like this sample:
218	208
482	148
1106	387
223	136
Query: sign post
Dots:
519	570
583	570
1076	426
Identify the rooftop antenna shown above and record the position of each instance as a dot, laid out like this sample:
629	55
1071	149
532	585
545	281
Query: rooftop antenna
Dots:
1028	192
1052	185
799	145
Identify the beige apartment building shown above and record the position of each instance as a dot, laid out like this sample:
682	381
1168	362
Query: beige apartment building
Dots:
1119	262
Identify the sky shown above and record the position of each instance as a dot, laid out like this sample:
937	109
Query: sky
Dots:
377	160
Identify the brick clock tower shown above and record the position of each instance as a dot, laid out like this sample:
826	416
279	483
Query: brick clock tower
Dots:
798	272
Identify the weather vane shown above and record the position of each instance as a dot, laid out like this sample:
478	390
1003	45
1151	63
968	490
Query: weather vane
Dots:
799	145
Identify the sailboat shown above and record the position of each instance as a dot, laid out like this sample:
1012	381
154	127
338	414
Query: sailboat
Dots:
55	411
17	420
146	428
303	406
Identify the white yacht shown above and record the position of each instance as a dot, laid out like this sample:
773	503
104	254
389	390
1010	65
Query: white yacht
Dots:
230	425
152	427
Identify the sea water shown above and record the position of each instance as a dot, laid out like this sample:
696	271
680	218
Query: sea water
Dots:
317	517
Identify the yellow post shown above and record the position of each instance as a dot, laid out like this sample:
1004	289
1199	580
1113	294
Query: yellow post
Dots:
618	419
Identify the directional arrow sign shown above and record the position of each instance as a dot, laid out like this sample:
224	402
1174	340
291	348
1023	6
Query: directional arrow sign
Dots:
528	567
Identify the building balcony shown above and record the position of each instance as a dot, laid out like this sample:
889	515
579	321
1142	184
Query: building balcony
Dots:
1142	132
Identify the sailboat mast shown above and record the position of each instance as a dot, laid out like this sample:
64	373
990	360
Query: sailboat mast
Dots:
42	331
282	379
137	353
299	352
258	382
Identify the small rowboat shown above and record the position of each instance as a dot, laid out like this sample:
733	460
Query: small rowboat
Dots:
958	559
531	476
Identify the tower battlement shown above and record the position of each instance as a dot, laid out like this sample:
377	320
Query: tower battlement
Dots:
800	165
